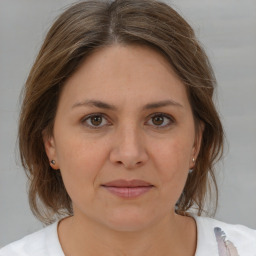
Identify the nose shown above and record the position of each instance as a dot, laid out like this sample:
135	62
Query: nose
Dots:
128	148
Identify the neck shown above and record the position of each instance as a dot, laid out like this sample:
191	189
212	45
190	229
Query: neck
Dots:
172	235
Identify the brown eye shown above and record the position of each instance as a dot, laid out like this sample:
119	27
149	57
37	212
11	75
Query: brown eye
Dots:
161	120
158	120
96	121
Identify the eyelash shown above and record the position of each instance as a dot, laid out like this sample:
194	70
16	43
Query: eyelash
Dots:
171	119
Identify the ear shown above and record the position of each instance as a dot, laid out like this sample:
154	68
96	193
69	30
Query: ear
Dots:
50	149
197	143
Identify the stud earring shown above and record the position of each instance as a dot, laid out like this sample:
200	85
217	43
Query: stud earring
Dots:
53	162
191	170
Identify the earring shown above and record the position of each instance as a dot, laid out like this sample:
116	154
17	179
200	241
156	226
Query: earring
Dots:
191	170
53	162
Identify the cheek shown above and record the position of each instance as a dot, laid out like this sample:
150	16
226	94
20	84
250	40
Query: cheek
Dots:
173	156
80	163
172	160
76	153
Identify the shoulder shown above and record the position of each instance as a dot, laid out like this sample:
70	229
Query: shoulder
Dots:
233	230
220	236
41	243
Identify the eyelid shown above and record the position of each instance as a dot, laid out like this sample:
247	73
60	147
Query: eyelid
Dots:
171	119
87	117
84	119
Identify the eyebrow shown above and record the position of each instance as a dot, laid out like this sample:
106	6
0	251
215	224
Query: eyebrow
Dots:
104	105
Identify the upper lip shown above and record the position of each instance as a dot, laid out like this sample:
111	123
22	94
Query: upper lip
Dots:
127	183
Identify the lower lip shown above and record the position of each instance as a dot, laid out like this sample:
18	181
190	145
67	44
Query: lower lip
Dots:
128	192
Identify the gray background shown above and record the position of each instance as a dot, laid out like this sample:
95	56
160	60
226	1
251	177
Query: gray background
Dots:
226	28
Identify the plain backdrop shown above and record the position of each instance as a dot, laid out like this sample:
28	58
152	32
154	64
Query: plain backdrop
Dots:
226	28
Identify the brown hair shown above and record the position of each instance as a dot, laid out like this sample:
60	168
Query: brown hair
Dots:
83	28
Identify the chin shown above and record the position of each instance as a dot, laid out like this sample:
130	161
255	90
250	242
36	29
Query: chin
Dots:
128	221
127	225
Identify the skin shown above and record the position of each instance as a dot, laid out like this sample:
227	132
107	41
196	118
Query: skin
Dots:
128	143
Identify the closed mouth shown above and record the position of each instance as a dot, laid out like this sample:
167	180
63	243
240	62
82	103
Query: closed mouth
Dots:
127	184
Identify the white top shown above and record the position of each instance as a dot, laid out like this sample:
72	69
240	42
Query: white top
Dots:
214	238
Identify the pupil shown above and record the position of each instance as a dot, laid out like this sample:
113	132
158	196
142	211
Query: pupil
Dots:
96	120
158	120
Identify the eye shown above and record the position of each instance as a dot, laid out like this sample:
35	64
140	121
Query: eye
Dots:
95	121
161	120
98	120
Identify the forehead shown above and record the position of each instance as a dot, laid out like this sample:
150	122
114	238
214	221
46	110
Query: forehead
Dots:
120	74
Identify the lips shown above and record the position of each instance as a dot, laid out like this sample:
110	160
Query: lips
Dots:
128	188
127	183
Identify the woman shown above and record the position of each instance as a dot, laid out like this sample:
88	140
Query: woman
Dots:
119	135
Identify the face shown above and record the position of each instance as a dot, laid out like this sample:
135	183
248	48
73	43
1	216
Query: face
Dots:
124	115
